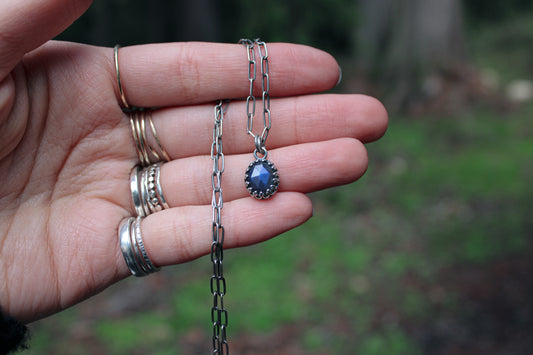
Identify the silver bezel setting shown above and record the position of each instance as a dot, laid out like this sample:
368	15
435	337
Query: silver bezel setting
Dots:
271	190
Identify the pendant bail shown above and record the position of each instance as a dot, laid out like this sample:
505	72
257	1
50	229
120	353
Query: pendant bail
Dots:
259	146
264	154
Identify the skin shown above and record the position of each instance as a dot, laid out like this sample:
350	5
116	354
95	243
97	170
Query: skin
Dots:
66	151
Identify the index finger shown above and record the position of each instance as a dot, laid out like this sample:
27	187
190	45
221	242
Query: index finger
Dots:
25	25
157	75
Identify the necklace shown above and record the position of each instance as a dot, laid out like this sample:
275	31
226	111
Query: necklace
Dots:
219	314
261	177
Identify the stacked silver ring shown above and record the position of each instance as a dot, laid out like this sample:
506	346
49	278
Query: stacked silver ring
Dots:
147	196
145	184
132	246
146	191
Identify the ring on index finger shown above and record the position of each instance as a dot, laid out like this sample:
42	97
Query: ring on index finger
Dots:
117	70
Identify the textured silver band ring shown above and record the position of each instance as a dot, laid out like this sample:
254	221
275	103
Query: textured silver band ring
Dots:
152	201
132	247
146	191
155	199
141	255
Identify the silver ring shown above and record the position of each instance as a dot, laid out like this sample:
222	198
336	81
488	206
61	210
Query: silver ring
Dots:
124	235
142	256
132	246
146	191
135	191
148	153
151	199
159	189
117	71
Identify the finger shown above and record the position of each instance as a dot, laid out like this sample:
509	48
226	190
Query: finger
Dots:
12	131
187	131
186	73
182	234
25	25
302	168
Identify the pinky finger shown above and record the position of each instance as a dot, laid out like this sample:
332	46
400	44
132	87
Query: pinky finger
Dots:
182	234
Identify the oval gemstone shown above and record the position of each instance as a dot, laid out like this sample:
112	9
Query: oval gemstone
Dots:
262	179
261	176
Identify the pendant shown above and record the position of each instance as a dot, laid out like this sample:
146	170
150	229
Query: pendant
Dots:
261	179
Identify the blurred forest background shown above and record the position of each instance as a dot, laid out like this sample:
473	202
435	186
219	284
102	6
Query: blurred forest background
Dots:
429	253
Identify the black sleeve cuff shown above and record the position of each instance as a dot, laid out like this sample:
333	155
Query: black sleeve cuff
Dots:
13	334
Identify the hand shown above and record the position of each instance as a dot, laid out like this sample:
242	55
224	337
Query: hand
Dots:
66	151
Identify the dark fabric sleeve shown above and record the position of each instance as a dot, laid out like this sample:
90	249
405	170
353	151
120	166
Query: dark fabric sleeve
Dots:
13	334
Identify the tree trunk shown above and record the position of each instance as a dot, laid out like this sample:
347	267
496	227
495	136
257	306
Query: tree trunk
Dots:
405	44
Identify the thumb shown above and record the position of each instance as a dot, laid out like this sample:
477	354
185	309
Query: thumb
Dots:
26	24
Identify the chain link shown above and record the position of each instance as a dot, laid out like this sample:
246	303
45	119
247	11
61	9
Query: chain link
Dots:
259	140
219	314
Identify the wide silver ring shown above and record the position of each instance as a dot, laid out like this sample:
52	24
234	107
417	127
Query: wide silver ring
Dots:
146	191
132	247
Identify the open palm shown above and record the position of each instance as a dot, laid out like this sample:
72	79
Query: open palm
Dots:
66	151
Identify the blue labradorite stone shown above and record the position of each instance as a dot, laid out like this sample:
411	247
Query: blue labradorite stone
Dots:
261	176
262	179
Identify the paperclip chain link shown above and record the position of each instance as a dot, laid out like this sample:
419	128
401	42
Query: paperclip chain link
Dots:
219	314
259	140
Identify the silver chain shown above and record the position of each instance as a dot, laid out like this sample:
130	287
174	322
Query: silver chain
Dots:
219	314
259	140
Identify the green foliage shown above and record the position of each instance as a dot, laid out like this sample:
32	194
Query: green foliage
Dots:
481	11
189	307
507	42
261	288
392	342
137	333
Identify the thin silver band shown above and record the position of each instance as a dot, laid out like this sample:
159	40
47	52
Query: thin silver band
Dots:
132	247
117	71
148	153
124	234
162	199
135	191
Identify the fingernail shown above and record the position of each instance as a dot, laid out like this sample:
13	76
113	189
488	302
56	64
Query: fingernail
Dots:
340	77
